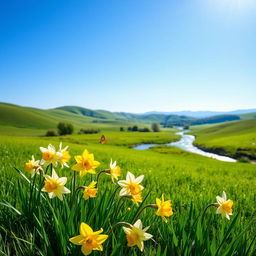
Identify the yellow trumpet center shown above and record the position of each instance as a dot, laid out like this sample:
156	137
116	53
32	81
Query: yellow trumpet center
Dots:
51	186
47	156
90	243
134	188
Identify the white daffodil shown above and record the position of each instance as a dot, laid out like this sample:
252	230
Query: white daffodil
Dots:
224	206
136	235
64	156
114	170
55	185
131	186
49	155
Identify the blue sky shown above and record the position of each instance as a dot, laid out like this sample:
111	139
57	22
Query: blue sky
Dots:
129	55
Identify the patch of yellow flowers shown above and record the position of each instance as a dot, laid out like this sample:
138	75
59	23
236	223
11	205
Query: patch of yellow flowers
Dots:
131	187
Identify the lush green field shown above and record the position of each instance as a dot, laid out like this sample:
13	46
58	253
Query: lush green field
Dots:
237	139
33	224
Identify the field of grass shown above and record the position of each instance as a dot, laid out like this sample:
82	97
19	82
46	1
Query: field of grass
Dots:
236	139
33	224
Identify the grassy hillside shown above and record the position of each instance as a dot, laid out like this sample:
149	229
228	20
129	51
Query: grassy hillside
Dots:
36	121
237	139
248	115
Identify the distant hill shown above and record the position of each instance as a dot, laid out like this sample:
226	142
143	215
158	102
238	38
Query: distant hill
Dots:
26	117
203	114
236	139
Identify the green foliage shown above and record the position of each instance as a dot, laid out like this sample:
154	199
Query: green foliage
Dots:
50	133
237	139
65	128
155	127
32	224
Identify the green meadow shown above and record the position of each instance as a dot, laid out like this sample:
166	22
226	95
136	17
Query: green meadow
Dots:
237	139
33	224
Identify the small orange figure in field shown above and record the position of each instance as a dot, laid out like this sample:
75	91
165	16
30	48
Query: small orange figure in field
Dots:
103	139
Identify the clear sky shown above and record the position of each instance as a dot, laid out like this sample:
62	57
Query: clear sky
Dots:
129	55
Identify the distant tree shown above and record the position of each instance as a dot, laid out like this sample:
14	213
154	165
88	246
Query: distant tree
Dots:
135	128
121	129
155	127
129	129
50	133
65	128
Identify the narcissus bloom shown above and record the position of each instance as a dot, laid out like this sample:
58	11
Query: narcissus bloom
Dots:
32	166
131	186
89	239
164	208
55	185
224	206
136	235
49	155
137	198
90	191
64	156
114	170
85	164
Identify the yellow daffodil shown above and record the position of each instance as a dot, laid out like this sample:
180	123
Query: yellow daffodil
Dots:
137	198
55	185
90	191
32	166
89	240
114	170
136	235
85	164
64	156
164	208
224	206
49	155
131	186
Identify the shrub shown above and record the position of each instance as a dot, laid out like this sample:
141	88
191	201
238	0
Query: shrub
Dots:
121	129
88	131
65	128
50	133
144	130
135	128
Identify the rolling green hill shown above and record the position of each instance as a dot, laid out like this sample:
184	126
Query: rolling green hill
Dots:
37	121
236	139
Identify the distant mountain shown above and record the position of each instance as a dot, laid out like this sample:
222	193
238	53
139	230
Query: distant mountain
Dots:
203	114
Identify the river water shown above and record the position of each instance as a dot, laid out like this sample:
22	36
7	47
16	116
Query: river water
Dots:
186	143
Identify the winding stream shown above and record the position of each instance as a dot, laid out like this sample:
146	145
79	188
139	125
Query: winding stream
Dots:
186	143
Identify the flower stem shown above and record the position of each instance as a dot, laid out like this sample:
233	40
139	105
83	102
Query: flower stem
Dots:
141	210
208	206
118	224
98	176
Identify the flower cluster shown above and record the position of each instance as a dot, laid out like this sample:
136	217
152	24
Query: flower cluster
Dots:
130	188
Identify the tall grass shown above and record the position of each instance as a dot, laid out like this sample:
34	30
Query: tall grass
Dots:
33	224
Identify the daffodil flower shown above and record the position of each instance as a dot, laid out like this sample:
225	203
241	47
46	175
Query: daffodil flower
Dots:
49	155
85	164
164	208
136	235
33	166
224	206
131	186
90	191
64	156
88	239
55	185
114	170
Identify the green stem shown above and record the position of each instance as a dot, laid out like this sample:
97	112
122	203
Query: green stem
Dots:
143	208
120	223
207	207
98	176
